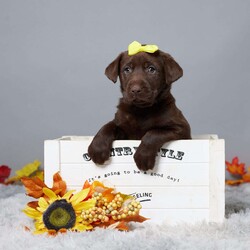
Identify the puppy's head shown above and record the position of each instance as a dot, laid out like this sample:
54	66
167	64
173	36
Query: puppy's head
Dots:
144	76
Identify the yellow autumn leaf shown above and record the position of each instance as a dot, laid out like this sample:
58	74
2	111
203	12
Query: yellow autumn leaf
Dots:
28	169
39	174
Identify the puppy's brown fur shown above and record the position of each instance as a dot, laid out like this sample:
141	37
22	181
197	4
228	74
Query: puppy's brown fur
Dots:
147	110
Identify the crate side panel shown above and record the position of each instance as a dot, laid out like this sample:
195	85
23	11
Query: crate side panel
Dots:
123	151
51	160
175	216
195	174
169	197
217	180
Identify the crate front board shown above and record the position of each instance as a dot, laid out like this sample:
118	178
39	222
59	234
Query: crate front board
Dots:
186	184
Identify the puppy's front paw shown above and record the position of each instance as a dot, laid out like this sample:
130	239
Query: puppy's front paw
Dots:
144	158
99	151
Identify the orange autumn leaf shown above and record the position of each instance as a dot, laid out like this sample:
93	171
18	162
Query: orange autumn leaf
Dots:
52	232
39	174
33	204
123	226
97	186
135	218
62	230
34	186
246	177
86	184
112	224
234	182
108	194
12	180
104	224
91	190
27	229
59	185
235	167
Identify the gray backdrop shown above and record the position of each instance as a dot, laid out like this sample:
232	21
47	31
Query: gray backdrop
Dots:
53	55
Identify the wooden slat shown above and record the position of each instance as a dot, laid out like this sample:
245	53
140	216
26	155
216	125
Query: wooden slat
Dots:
169	197
217	181
175	216
51	160
195	174
177	151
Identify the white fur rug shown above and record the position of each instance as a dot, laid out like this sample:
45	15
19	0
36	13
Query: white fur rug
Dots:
233	234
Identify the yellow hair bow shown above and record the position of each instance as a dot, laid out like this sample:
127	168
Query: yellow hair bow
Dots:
136	47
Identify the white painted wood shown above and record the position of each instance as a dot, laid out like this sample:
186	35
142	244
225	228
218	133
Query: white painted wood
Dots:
176	216
195	174
51	160
217	180
194	151
187	183
168	197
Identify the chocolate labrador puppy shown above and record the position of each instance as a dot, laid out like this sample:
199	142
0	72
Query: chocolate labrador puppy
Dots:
147	109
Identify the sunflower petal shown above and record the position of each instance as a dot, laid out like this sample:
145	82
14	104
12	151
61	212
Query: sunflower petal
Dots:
80	196
48	192
39	225
82	227
79	219
68	195
85	205
43	205
40	231
32	213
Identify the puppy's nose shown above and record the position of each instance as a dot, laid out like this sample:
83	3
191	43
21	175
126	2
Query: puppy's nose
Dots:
135	89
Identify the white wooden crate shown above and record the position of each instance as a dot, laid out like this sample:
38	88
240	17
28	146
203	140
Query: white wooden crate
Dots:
186	185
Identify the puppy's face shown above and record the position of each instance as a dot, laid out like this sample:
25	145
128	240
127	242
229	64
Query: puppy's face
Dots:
143	76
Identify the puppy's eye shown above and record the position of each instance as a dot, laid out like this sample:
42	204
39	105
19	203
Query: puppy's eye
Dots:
151	69
127	70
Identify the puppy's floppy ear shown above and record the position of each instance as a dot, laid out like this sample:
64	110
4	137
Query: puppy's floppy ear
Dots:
173	71
112	71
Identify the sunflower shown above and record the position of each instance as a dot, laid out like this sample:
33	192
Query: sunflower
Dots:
58	214
57	210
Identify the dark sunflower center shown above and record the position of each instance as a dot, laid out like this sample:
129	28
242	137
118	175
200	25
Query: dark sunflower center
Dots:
60	214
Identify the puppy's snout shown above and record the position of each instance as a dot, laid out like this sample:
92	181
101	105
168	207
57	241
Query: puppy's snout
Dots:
136	89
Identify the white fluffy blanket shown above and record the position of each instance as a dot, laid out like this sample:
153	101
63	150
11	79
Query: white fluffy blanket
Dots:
233	234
